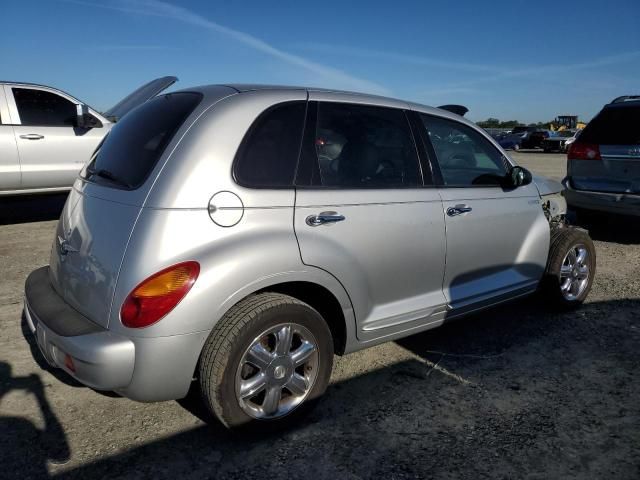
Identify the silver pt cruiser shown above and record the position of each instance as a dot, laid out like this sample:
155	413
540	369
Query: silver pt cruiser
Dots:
240	236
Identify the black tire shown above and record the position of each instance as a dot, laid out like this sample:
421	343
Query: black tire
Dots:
234	333
562	241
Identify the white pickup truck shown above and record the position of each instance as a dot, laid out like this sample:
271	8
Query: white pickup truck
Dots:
46	135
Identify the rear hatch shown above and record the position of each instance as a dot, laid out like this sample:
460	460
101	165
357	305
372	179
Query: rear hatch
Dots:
102	209
139	96
615	134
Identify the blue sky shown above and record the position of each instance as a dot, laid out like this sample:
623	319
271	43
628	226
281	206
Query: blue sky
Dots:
526	60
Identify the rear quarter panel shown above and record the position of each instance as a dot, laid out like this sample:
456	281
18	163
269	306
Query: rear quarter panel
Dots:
236	261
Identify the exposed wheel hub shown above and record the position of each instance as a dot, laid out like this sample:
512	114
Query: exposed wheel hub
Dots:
279	372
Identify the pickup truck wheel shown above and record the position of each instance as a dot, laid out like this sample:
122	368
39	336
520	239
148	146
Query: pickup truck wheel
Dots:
266	362
571	267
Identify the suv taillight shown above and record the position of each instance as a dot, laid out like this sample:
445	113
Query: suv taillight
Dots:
158	295
584	151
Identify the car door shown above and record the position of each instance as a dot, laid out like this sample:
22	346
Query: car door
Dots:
52	150
9	161
363	214
497	237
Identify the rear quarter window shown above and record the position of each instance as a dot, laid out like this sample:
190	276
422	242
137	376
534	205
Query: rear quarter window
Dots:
614	126
268	154
135	144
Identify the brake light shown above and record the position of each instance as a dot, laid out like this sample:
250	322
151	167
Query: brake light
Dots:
584	151
68	362
158	295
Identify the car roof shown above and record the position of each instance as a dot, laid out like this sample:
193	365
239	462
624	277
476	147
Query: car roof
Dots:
27	83
247	87
623	104
349	95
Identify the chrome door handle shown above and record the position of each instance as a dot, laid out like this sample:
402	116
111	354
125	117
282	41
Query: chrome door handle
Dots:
458	210
324	218
32	136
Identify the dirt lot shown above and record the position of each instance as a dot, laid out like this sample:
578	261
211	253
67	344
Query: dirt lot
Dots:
513	392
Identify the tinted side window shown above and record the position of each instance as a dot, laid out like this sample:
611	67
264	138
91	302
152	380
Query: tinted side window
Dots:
465	157
37	107
614	126
360	146
269	152
132	148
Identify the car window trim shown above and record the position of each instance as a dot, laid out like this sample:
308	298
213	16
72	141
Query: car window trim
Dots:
17	110
5	117
248	134
150	173
14	119
426	153
311	121
432	152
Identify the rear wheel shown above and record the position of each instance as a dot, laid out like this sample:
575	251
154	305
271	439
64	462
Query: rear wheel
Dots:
266	361
571	267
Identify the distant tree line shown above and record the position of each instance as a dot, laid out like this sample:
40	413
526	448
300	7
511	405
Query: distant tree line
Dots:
496	123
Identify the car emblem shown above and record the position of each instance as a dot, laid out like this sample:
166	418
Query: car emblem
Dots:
64	246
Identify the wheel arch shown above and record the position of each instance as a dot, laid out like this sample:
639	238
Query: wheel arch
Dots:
319	289
322	300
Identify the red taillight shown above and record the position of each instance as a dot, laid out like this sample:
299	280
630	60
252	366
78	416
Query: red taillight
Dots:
158	295
68	362
584	151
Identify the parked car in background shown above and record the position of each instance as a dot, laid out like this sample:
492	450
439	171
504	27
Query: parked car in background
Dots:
558	142
46	135
246	234
517	137
536	138
603	163
508	141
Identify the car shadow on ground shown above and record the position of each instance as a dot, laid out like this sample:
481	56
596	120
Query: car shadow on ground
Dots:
609	227
31	208
489	395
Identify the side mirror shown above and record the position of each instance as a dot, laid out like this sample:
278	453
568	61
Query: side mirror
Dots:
84	119
518	176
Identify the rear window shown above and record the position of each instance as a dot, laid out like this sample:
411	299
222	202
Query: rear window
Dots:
614	126
132	148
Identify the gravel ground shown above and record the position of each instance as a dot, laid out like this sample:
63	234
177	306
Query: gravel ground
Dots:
514	392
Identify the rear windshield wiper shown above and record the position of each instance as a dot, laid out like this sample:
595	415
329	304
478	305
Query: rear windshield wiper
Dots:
106	174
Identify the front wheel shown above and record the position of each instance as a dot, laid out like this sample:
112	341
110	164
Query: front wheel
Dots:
266	361
571	267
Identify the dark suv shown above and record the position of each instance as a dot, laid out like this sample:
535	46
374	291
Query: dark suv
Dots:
603	164
535	139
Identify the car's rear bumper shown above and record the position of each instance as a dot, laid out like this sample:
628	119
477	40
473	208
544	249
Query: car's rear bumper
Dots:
619	203
141	368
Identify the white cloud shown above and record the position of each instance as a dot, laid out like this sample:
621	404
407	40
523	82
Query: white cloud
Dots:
326	75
